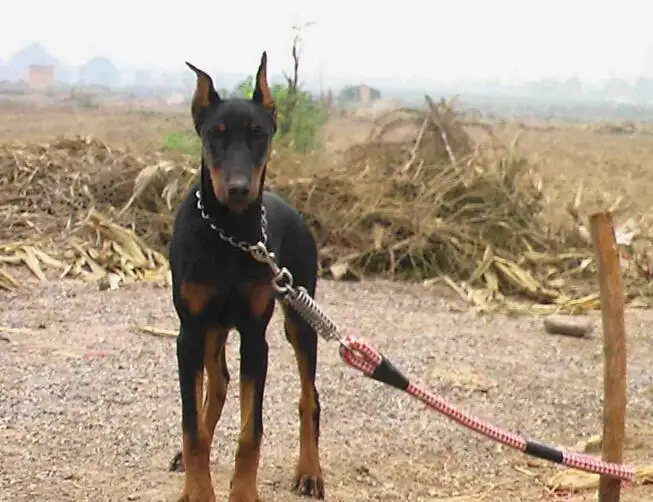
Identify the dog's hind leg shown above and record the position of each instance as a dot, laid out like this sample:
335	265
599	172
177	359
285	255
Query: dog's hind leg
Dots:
308	478
215	362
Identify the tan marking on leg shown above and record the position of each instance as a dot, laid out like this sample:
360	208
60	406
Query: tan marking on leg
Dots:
308	469
243	483
259	296
196	296
197	476
215	362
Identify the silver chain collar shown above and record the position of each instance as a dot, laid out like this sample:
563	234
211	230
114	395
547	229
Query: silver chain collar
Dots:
242	245
281	277
282	280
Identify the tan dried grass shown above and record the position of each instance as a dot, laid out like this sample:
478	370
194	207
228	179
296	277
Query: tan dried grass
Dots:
438	206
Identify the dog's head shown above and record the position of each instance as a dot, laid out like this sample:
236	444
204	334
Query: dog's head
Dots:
236	136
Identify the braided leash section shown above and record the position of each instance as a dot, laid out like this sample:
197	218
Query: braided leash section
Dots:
359	355
488	430
597	466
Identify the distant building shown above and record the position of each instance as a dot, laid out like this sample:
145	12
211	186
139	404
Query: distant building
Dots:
40	77
358	94
99	71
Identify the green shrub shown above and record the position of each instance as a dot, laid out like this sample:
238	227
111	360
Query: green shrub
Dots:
301	134
308	116
182	142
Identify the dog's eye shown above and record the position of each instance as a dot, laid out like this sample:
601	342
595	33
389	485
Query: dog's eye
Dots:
217	131
256	132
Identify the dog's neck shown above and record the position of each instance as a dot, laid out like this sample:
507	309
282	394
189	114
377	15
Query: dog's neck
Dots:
245	226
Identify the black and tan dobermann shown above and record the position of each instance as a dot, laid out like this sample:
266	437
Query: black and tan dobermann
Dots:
217	286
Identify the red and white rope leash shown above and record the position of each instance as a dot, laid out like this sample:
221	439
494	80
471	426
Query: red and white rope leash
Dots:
361	356
366	359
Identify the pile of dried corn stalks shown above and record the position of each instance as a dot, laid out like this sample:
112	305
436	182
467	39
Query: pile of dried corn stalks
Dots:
51	196
437	206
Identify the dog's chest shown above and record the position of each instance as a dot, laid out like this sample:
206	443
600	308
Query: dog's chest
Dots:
232	272
241	304
237	280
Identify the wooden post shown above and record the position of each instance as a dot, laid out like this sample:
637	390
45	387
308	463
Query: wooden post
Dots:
614	349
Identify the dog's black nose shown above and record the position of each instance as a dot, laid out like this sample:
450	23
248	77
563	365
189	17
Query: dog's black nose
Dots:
238	190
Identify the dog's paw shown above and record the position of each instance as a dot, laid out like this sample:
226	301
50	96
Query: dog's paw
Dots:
197	496
309	486
243	492
244	497
177	463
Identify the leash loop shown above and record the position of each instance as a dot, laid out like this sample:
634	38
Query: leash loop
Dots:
360	356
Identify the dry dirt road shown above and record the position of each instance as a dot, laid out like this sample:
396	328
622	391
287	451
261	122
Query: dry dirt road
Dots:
89	407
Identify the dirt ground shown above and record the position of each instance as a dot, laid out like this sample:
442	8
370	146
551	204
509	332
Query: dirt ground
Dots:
89	406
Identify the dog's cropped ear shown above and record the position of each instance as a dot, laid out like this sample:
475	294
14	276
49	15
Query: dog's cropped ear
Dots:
205	96
262	93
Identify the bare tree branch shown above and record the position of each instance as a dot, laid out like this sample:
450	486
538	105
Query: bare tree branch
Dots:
292	81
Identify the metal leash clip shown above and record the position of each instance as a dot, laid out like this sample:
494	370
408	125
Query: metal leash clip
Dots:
282	279
296	297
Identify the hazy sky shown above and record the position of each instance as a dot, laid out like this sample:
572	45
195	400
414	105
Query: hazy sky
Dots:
411	41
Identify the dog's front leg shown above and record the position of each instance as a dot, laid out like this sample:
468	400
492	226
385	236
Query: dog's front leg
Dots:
197	477
253	372
190	360
215	365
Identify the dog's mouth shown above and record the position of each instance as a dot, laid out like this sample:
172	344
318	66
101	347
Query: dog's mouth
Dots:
237	207
235	204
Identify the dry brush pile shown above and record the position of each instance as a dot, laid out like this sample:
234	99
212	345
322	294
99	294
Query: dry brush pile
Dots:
436	206
57	203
